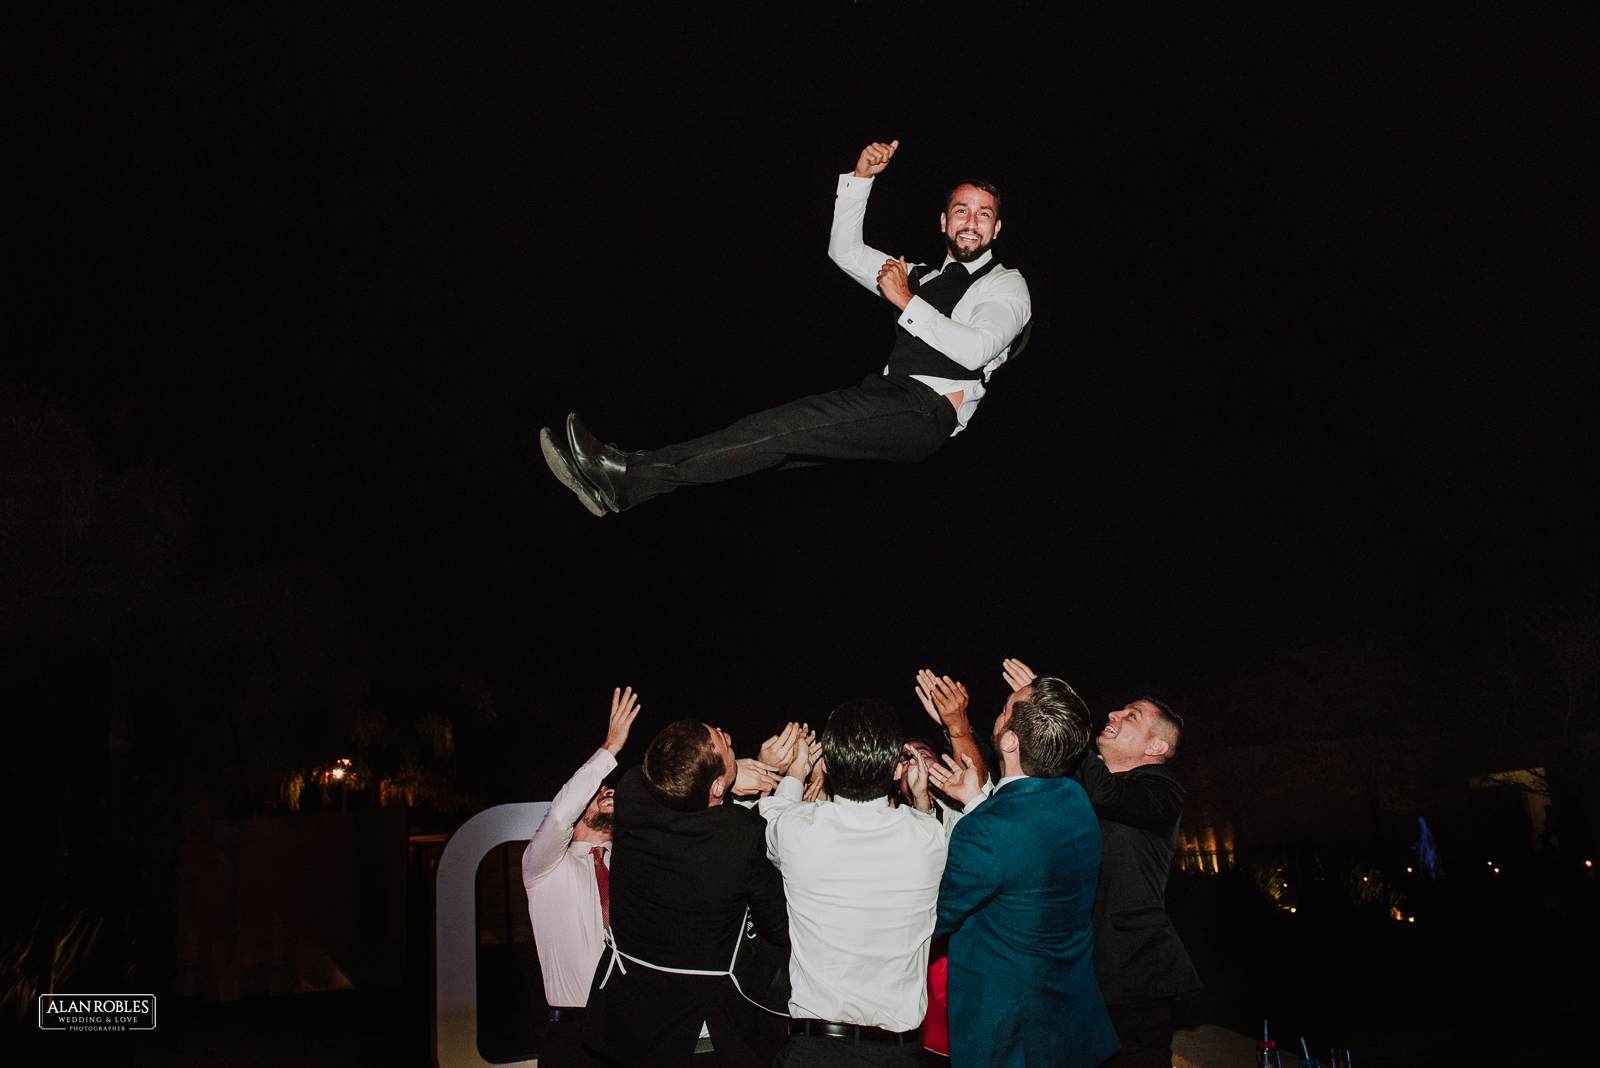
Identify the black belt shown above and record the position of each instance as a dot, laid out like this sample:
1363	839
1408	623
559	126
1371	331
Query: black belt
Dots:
855	1032
558	1015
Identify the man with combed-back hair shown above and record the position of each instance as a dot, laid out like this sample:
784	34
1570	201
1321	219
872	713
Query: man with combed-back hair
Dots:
1018	892
687	868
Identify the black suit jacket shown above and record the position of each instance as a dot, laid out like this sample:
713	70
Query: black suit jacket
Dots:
1137	954
680	884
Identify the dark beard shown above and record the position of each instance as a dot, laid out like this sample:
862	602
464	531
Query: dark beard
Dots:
965	257
600	822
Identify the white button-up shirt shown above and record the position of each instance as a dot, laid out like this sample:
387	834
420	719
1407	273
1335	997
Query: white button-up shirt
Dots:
563	898
978	331
862	883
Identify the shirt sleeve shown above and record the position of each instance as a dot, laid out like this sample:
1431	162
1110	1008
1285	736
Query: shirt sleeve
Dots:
984	793
972	872
993	324
845	244
1150	802
549	843
788	794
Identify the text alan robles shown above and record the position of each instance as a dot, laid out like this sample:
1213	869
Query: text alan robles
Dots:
97	1012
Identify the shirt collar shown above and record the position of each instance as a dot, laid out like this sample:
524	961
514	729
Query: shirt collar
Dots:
973	266
1008	778
578	849
876	802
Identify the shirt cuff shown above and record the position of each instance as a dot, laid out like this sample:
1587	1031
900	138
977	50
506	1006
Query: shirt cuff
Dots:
853	187
603	756
790	787
974	803
918	313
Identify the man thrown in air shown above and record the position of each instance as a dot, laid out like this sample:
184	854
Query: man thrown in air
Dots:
959	321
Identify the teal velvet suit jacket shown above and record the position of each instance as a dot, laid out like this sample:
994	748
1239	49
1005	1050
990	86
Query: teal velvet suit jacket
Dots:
1017	900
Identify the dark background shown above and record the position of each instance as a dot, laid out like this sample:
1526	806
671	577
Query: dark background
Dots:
1305	440
1314	348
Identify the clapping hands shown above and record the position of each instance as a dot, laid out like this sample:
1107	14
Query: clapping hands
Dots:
944	700
789	752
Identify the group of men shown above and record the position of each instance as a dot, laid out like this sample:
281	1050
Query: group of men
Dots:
926	903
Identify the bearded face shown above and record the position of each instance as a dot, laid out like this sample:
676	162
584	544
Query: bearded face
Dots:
599	822
970	223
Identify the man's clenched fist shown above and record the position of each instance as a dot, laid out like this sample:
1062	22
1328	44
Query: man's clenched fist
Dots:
874	158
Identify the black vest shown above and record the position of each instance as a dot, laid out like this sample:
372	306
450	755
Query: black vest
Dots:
912	355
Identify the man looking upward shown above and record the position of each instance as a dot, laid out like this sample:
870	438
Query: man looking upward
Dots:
687	869
959	320
1138	956
1017	895
564	870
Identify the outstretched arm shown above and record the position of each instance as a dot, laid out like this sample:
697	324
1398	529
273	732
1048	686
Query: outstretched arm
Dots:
845	244
946	701
550	841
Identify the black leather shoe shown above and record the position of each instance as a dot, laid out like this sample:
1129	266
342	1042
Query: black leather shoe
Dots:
562	467
602	466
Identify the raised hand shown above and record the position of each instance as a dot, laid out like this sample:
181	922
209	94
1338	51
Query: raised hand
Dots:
961	781
816	782
778	750
805	754
624	707
945	701
894	282
1016	673
874	158
917	779
754	777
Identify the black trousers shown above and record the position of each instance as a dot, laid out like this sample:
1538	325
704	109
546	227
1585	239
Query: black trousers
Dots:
1145	1028
562	1045
885	418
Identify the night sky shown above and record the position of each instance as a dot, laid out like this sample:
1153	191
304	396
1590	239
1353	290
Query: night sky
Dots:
1314	347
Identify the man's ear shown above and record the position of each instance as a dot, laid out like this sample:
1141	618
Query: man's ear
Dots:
716	791
1008	742
941	222
996	229
1157	747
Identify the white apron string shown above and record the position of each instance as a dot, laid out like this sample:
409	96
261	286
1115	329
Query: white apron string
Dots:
618	956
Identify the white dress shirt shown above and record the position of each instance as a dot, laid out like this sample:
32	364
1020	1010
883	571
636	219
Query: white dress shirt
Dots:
563	898
978	331
862	882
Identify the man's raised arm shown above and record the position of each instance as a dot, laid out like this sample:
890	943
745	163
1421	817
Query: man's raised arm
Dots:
550	841
946	701
845	244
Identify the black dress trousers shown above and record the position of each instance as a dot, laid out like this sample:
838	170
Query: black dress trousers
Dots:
887	417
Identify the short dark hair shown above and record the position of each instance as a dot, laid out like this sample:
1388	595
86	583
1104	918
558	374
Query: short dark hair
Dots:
1052	728
987	187
1172	718
862	747
680	766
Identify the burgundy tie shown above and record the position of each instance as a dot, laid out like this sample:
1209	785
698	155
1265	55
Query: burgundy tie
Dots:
602	880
